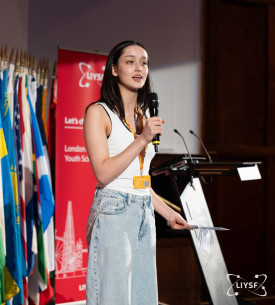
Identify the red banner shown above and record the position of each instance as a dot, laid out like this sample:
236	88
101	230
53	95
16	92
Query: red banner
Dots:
79	77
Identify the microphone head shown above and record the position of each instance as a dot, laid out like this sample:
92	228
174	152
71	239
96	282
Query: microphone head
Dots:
191	131
153	96
153	104
176	131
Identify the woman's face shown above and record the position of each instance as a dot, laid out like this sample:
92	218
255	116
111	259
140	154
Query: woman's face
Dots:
132	68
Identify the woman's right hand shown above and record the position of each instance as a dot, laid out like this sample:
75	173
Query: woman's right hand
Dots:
153	126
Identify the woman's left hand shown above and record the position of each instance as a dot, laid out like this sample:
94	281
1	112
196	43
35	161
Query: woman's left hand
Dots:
177	222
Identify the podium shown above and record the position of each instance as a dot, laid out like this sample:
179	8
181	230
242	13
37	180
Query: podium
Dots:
183	186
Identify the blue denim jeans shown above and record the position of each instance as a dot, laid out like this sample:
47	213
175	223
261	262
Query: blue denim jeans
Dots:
121	236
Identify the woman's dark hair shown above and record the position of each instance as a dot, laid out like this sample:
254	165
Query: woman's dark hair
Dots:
110	92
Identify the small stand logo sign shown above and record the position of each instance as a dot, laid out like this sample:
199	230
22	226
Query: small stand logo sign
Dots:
238	283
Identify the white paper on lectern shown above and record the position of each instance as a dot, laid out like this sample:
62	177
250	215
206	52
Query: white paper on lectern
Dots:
249	173
208	228
204	236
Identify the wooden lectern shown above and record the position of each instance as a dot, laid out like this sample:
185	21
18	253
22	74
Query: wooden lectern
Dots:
181	176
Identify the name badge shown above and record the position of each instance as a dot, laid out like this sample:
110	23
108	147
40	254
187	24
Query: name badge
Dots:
142	182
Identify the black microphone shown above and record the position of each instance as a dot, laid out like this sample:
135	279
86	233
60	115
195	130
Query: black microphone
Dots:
208	155
190	156
191	167
154	110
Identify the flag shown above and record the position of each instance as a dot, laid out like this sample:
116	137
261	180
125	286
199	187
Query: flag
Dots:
43	112
51	129
37	280
2	264
51	153
32	88
18	155
49	246
44	208
2	233
49	232
10	90
10	271
23	229
46	194
9	139
26	184
38	112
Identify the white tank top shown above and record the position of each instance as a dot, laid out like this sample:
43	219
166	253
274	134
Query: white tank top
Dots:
119	139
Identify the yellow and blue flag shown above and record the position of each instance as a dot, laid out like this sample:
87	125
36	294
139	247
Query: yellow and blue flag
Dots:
9	138
2	233
12	266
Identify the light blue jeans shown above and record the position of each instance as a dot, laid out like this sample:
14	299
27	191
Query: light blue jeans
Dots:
121	236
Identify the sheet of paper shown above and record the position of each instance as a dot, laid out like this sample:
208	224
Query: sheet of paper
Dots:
208	228
249	173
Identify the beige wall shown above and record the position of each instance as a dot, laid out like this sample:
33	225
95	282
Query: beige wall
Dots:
14	23
170	30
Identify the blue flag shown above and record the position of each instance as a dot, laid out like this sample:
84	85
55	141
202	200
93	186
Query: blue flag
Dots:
12	268
45	190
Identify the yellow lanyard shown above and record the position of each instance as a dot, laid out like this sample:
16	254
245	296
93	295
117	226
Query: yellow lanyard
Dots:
141	158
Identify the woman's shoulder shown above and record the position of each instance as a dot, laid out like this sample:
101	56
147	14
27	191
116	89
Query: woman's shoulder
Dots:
93	104
95	109
99	104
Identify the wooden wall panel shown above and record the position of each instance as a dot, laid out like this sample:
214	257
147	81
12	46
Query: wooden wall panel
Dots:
239	124
235	73
238	102
238	205
179	280
271	77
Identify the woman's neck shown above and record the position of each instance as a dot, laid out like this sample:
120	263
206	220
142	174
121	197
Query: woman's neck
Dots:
129	100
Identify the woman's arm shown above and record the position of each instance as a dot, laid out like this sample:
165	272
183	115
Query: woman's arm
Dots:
96	128
174	219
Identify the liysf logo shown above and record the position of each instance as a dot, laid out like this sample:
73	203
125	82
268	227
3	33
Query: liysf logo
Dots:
89	75
239	284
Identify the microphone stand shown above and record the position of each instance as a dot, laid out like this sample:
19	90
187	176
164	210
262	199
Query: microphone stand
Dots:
206	151
190	162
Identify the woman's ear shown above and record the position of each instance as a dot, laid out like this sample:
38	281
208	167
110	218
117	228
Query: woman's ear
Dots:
114	70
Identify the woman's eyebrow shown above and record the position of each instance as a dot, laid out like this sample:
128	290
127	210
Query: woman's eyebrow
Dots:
134	56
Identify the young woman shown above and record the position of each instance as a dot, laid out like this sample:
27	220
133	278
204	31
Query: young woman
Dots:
121	226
